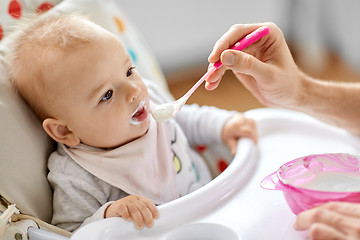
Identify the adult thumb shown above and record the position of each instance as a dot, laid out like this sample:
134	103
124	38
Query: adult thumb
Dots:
240	62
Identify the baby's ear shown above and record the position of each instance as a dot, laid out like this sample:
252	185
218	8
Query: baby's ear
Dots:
60	132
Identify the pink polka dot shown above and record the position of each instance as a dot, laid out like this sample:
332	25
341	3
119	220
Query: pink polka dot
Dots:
15	9
45	6
222	165
1	32
201	148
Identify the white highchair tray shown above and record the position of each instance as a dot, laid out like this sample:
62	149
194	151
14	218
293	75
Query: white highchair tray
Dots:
233	206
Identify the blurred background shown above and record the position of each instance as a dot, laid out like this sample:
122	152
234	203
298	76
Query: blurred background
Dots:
182	33
323	35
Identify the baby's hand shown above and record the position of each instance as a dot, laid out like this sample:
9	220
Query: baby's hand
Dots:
139	209
237	127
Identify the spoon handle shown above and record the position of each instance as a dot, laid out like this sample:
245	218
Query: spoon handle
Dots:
198	83
247	41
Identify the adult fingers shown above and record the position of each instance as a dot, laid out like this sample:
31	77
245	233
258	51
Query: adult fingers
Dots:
244	63
214	79
217	75
212	85
315	215
319	231
234	34
345	208
333	219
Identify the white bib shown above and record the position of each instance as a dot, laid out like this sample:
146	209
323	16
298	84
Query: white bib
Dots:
142	167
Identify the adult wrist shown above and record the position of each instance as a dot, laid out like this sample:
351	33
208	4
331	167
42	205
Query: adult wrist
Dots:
303	94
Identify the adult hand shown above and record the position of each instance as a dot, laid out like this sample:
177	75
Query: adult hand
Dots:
333	220
266	68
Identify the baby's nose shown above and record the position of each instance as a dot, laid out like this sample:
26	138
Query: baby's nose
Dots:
133	93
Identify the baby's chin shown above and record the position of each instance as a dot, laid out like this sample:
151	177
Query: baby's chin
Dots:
141	129
137	130
144	126
110	145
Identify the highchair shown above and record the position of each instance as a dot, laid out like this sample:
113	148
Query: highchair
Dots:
231	207
24	146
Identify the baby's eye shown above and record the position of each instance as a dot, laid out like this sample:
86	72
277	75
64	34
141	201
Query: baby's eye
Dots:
107	96
130	71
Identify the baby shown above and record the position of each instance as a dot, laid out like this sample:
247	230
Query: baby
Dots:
112	158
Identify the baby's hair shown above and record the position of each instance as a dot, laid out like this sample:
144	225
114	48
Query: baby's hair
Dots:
31	48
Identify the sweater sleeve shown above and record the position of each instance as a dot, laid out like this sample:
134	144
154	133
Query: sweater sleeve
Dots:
203	125
79	197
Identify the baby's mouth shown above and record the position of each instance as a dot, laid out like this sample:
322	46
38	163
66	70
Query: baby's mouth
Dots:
140	113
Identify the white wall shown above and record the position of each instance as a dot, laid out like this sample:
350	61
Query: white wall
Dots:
327	24
182	33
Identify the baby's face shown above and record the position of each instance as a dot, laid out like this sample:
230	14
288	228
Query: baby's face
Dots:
100	97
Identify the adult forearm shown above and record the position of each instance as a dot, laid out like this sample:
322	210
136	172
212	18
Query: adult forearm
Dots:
337	103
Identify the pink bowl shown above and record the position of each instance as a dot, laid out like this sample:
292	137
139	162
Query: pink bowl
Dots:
312	180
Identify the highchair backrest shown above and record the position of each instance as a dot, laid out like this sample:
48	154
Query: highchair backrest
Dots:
24	146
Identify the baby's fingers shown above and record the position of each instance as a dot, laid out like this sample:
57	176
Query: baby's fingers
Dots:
251	132
232	144
136	215
123	211
140	210
152	207
145	212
